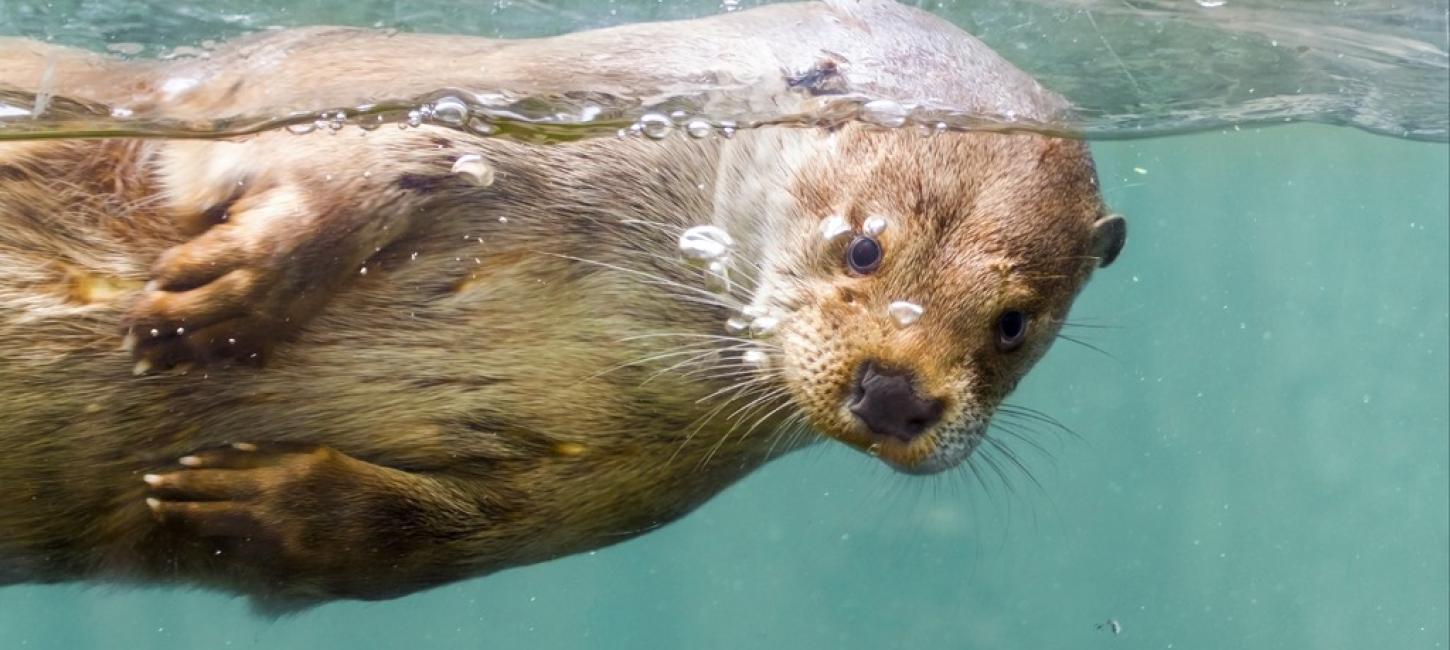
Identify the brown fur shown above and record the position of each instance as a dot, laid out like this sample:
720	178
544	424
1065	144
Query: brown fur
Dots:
525	370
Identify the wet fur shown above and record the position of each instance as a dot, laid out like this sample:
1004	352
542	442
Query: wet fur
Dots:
489	393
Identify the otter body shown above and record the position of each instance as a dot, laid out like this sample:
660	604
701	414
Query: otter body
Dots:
330	366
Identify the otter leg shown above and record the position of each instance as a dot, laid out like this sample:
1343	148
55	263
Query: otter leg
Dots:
294	524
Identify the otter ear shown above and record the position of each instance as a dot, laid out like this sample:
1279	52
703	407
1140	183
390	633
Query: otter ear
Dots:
1109	234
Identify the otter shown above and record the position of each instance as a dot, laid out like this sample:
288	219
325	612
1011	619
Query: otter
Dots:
307	368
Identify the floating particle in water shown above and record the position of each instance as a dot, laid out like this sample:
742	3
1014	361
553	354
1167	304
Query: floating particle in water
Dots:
764	326
729	5
1140	171
834	226
905	313
884	112
1210	4
698	128
451	111
655	126
474	169
704	244
1112	625
874	226
736	325
717	275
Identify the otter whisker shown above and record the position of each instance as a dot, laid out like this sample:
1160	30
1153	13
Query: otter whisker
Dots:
1088	346
1091	326
763	418
996	469
789	426
744	390
1018	410
761	380
698	358
1011	430
763	399
717	337
687	348
707	294
1015	460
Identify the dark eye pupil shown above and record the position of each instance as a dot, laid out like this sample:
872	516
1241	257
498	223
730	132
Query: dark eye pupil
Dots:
864	255
1011	329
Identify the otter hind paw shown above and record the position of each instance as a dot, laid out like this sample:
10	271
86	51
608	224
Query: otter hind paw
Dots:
244	498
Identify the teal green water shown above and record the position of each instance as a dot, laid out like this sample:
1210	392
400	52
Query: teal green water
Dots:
1263	462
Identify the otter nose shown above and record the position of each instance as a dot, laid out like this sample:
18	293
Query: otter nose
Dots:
888	405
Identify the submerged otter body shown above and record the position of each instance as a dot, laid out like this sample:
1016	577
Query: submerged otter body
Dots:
463	376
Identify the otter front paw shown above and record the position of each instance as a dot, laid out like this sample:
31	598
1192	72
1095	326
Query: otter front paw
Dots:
231	293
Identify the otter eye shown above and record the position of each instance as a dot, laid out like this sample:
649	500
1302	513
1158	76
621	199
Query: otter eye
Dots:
1011	330
863	255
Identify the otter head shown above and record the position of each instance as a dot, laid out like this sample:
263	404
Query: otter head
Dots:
927	275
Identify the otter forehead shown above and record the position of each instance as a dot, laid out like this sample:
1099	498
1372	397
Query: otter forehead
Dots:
966	211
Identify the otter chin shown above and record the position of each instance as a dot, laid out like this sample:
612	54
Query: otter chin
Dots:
359	364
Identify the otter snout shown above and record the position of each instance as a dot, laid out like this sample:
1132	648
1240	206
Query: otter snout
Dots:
888	403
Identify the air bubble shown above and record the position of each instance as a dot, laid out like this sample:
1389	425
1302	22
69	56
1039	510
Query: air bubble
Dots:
755	357
884	112
415	118
728	6
736	326
698	128
451	111
704	244
764	326
1210	4
874	226
717	275
834	226
727	129
655	125
474	169
302	129
480	126
905	313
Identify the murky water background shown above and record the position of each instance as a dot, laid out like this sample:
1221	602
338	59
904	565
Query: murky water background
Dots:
1263	461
